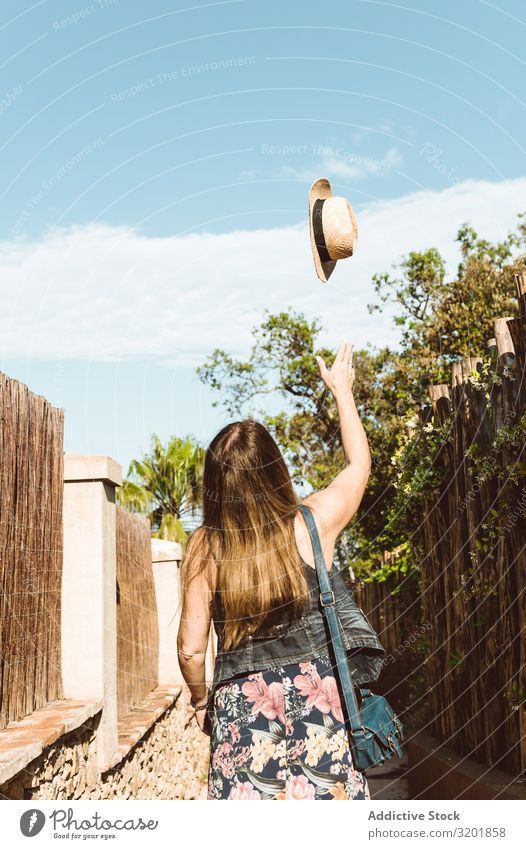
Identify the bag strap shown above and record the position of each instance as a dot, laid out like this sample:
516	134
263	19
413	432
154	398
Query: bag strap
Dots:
328	604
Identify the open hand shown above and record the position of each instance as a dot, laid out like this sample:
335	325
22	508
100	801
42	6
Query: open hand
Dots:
340	377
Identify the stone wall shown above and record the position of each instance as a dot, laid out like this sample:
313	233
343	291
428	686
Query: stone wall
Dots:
167	762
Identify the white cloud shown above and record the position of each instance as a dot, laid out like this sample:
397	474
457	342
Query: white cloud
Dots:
103	292
356	166
338	162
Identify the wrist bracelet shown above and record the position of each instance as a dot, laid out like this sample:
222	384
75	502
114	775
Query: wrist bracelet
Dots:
193	716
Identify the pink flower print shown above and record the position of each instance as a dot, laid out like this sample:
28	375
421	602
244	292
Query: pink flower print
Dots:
243	756
222	760
267	699
234	732
329	699
244	790
221	754
228	768
299	787
296	749
308	683
307	668
321	693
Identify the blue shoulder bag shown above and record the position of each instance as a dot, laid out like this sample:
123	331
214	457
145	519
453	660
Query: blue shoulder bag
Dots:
375	730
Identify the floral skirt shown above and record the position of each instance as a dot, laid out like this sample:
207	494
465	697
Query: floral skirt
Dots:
280	734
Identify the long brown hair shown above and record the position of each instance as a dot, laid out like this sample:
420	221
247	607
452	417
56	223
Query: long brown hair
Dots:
246	542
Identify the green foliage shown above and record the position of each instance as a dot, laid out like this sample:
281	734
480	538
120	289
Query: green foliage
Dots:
517	696
441	321
166	486
444	321
418	471
171	528
401	564
503	457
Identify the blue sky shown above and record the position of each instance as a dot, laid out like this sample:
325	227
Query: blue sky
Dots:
156	164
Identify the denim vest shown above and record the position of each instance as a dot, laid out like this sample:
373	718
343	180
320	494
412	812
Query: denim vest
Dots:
303	639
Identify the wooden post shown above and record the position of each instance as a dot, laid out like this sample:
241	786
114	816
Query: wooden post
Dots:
440	400
456	374
517	328
504	341
468	365
506	354
438	390
520	280
491	348
493	354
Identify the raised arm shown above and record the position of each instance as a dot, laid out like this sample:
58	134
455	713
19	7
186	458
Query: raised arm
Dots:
335	505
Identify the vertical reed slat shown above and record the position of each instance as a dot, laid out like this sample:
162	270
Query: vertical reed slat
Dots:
137	630
31	488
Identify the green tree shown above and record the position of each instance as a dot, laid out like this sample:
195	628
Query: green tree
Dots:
440	321
166	485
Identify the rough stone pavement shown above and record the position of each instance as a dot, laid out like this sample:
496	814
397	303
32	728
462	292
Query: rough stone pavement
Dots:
389	781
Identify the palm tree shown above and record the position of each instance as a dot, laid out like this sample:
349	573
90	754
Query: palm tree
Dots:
166	485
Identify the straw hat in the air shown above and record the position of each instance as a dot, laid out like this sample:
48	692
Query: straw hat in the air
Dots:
333	228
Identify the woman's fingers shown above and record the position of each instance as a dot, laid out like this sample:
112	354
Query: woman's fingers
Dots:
324	371
321	364
341	364
347	348
340	356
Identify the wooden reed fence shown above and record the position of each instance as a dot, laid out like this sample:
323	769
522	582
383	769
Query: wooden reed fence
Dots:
393	607
474	569
137	629
392	604
31	550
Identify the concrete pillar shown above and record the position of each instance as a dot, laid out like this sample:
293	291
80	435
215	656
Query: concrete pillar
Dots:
89	603
166	561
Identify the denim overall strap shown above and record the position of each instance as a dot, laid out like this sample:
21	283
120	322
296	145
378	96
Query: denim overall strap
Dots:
328	603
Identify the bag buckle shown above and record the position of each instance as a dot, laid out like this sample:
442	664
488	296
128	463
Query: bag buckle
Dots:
391	742
323	599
